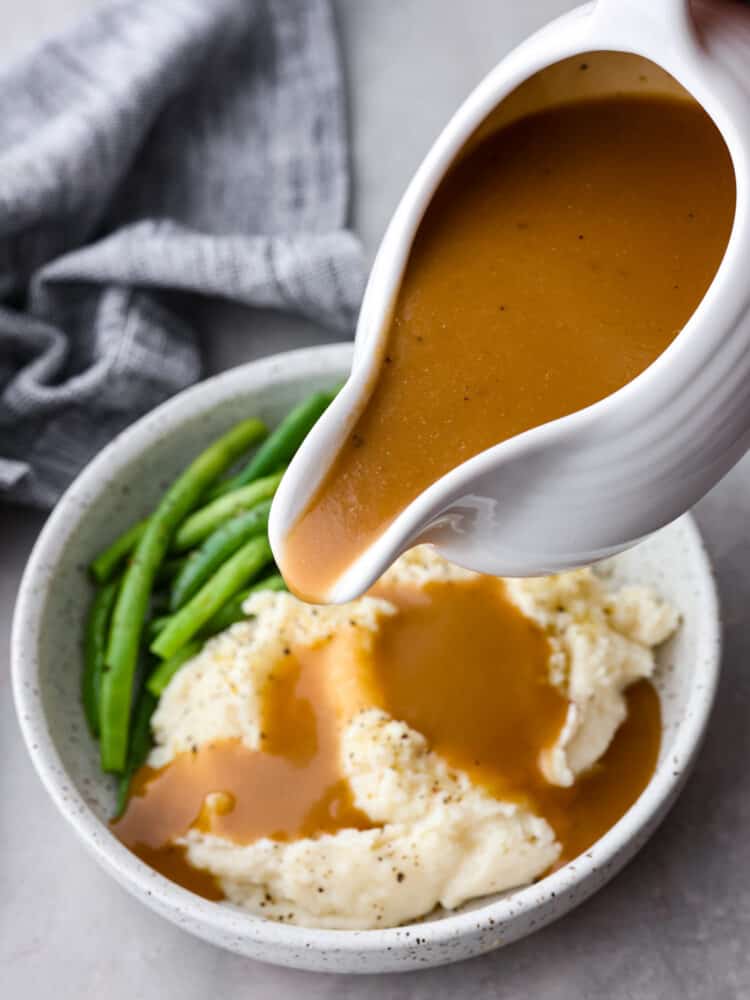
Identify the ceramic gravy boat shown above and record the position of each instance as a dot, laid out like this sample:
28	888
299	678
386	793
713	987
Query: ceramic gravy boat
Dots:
588	485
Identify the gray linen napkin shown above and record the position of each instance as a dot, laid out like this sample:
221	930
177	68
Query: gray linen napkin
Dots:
195	145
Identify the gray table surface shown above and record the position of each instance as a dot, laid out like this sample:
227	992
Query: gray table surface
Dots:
675	923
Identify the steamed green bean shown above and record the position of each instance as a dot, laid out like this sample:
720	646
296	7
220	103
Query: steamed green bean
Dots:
228	614
281	444
225	583
206	520
95	648
166	670
132	602
231	612
215	550
138	747
107	563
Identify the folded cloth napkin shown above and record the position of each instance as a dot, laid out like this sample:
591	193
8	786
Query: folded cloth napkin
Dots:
195	145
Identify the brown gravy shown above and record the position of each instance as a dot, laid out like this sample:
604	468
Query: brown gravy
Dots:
291	788
557	260
461	664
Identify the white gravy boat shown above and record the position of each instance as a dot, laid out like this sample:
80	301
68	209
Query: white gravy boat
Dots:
588	485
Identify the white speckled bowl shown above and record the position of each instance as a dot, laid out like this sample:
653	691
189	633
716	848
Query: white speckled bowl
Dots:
119	486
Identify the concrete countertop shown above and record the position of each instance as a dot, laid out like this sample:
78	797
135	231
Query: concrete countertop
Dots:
675	923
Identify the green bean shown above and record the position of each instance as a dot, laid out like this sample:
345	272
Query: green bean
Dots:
231	612
138	748
133	599
228	614
216	549
274	582
95	648
205	521
281	444
157	625
166	670
106	564
231	577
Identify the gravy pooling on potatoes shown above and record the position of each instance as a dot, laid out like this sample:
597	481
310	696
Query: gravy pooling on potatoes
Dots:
557	260
460	663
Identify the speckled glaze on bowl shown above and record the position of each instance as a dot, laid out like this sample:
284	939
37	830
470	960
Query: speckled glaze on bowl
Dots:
119	486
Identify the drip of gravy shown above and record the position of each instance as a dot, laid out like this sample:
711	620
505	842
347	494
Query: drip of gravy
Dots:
460	663
557	260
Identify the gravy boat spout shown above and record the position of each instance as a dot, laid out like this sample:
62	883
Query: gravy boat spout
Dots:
588	485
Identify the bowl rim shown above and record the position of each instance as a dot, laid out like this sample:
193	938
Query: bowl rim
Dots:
228	921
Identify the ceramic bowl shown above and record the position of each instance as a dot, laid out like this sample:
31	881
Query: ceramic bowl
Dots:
120	485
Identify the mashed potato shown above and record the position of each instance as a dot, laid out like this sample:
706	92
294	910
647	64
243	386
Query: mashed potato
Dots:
439	839
603	642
